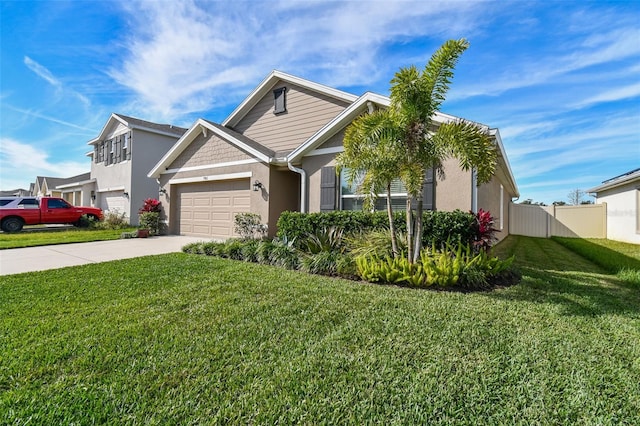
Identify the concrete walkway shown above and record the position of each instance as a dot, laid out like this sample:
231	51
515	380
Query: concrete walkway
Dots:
18	260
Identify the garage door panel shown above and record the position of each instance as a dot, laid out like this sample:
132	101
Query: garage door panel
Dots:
200	215
241	201
202	201
221	216
208	209
221	229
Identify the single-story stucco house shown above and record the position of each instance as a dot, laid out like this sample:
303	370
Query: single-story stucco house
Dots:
622	196
276	152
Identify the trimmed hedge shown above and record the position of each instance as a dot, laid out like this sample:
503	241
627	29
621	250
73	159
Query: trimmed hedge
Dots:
439	226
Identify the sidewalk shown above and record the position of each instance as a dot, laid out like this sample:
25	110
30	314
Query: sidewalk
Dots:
18	260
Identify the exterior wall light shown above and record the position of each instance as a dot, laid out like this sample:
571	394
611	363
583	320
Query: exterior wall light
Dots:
257	185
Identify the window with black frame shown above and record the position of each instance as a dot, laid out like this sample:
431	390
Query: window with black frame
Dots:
350	199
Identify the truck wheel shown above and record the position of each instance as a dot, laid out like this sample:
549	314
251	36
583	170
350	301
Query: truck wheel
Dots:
12	224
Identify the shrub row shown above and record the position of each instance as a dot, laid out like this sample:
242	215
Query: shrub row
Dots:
449	267
439	226
280	254
443	268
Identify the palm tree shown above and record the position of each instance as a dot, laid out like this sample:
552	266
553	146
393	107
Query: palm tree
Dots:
364	141
405	139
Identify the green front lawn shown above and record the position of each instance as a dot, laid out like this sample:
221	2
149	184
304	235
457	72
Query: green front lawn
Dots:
184	339
33	238
613	256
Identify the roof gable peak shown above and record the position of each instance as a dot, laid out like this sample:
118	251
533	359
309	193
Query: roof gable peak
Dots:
269	82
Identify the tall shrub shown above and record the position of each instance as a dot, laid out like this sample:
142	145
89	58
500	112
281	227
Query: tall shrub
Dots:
149	216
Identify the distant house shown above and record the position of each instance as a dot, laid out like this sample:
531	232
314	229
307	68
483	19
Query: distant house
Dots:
45	186
622	195
15	193
276	152
121	156
77	190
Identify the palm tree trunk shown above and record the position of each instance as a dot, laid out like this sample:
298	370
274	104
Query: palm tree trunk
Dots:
409	231
417	237
392	225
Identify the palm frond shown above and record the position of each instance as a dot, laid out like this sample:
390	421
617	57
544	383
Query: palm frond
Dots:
471	145
438	72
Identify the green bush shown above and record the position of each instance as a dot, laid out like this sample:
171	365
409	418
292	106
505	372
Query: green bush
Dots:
112	220
331	263
439	226
284	255
211	248
263	252
249	226
232	249
376	242
296	226
150	221
325	239
443	268
192	248
249	251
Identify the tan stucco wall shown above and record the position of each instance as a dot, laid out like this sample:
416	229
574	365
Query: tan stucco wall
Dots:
284	195
453	190
489	200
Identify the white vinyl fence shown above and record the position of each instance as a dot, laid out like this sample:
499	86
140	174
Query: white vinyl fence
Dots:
585	221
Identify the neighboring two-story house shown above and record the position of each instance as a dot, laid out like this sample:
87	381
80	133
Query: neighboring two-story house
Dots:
121	156
276	152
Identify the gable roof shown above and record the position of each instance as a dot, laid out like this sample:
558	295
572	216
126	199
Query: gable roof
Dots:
335	125
136	123
358	107
622	179
201	125
358	104
271	80
75	181
49	180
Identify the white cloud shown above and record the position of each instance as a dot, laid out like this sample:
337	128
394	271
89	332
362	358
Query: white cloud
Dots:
194	54
23	162
52	119
611	95
42	72
549	68
45	74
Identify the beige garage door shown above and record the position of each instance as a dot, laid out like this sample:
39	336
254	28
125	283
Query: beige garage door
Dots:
208	209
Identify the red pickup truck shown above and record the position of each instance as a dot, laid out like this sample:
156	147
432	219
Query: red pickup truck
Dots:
15	212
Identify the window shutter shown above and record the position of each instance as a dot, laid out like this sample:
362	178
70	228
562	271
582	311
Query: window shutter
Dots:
428	196
279	100
129	146
117	149
328	189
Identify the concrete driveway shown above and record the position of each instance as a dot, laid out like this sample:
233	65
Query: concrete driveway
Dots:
18	260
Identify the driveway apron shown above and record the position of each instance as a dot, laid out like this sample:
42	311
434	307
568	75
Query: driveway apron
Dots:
18	260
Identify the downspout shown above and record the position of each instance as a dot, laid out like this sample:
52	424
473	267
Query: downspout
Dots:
303	185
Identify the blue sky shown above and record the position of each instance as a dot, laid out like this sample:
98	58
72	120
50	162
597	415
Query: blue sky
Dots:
560	79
